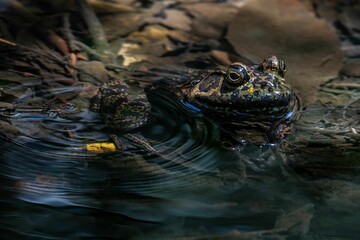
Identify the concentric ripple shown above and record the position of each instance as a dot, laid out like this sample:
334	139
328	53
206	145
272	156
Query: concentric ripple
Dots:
174	178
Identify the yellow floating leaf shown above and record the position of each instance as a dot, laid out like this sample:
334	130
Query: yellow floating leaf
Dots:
100	147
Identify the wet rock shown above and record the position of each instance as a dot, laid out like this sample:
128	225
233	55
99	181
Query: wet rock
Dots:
351	67
308	45
92	70
5	105
8	131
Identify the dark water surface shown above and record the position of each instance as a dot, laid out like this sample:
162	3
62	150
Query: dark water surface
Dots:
51	188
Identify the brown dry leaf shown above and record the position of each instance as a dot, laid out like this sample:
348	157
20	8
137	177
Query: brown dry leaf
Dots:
174	19
125	24
110	7
351	67
91	70
131	53
308	45
210	19
221	56
150	43
16	77
326	9
8	131
128	22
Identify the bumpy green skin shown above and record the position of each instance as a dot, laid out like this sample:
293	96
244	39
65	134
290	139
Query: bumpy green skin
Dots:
120	109
246	99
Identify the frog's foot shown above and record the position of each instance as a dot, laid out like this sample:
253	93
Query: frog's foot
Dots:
280	132
145	148
133	141
128	142
235	137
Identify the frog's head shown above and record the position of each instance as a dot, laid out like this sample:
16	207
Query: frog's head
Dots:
258	91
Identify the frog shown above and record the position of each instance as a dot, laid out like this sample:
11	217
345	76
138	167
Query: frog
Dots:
249	103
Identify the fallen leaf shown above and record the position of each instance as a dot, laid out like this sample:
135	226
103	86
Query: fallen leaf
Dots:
125	23
210	19
110	6
174	19
149	44
308	45
59	42
8	131
130	53
92	70
351	67
100	147
326	9
221	56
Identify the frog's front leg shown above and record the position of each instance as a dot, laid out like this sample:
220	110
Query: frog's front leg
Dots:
132	140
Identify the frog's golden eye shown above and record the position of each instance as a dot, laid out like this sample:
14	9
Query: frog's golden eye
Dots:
236	74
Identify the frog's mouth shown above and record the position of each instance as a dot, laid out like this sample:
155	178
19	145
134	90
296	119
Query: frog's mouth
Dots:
285	108
240	99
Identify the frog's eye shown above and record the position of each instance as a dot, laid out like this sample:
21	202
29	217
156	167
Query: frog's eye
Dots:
273	64
236	75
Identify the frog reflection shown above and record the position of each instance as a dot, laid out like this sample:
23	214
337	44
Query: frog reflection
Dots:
250	103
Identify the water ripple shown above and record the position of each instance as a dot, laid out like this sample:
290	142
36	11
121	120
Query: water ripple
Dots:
185	174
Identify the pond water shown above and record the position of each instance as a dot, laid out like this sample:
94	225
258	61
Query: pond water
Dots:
189	187
175	179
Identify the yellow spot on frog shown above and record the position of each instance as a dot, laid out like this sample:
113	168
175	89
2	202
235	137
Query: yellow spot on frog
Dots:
251	90
100	147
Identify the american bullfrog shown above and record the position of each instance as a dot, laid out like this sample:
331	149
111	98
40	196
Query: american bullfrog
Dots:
253	103
250	103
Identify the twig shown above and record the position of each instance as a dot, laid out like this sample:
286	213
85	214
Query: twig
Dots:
111	7
68	34
344	85
312	129
87	49
97	32
8	42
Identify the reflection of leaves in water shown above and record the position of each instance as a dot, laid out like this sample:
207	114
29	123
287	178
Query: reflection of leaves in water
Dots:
308	45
